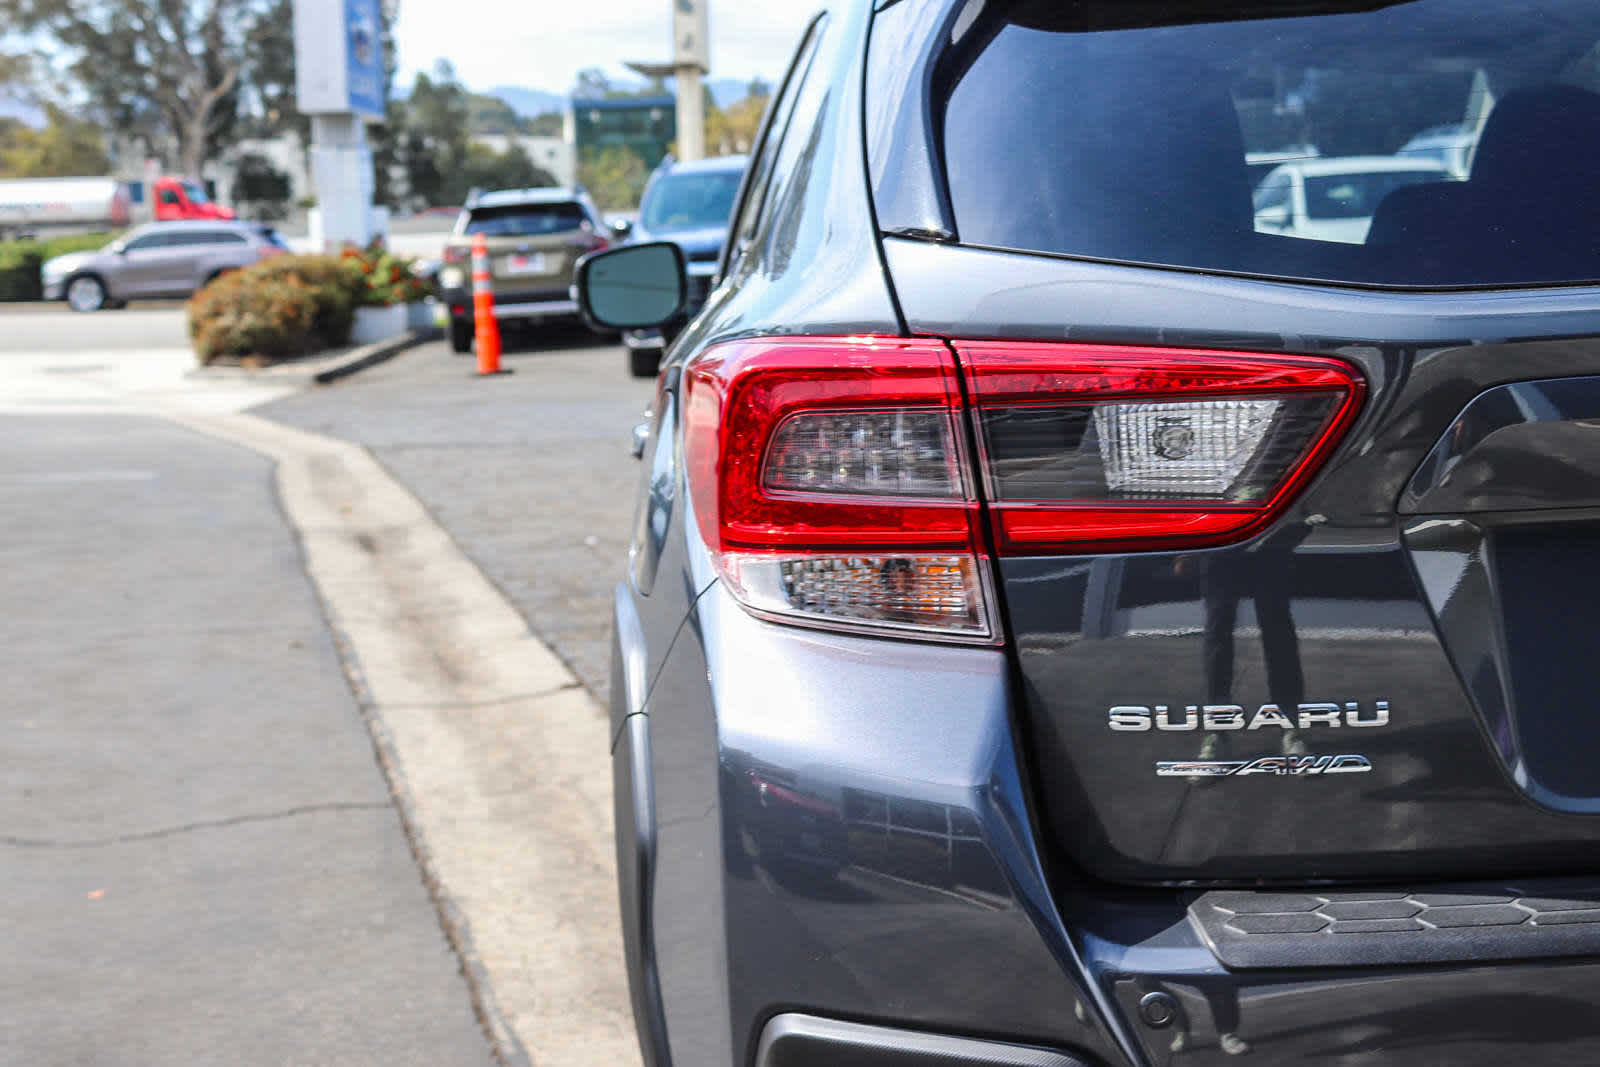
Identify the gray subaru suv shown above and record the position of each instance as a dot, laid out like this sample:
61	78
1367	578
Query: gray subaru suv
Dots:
1072	620
158	260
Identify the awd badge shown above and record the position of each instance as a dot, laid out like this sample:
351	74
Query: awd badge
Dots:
1297	765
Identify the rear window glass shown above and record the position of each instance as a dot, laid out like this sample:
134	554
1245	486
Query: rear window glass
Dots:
690	201
1431	143
524	220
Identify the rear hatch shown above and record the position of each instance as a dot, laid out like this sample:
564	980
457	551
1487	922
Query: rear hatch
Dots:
533	247
1390	675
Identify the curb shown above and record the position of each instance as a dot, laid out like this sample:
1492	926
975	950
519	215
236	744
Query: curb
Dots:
373	354
320	370
496	756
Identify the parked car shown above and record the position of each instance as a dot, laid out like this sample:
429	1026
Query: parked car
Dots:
687	204
158	260
1333	199
1065	625
536	237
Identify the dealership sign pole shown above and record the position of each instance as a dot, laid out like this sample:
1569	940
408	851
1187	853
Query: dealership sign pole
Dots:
339	83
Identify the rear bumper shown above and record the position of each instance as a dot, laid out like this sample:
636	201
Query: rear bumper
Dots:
508	306
535	309
56	290
840	827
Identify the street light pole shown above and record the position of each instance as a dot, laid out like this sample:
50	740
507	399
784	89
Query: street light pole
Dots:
691	57
691	60
691	114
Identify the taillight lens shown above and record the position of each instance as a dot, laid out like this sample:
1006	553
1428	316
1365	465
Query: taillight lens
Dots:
829	482
1096	448
456	254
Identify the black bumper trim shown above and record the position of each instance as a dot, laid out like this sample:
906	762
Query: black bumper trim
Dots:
795	1040
1534	919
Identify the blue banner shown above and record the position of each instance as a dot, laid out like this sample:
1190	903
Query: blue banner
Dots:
364	63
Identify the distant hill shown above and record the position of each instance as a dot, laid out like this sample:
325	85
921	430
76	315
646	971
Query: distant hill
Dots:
529	102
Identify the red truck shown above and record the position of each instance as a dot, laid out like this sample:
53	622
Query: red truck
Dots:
64	205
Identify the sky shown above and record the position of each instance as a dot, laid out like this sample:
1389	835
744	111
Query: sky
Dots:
542	44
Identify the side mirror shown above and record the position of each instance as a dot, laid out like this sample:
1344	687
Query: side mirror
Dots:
635	287
620	228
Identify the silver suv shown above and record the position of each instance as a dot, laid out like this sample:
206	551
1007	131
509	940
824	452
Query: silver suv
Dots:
162	259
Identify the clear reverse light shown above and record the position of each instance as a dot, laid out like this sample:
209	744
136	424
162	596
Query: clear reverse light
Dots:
1197	447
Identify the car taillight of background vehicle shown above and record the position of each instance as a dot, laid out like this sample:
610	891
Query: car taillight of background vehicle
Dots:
456	254
832	483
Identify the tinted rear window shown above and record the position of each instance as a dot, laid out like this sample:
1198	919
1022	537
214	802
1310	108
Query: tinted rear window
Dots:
1117	131
525	220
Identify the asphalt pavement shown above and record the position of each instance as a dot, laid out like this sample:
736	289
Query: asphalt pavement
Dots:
201	859
288	780
42	327
530	472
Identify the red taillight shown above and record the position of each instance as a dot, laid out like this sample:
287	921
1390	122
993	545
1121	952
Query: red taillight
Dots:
455	254
739	394
831	482
828	480
1092	448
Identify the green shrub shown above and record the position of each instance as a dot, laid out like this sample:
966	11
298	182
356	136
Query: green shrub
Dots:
335	293
20	261
282	307
381	279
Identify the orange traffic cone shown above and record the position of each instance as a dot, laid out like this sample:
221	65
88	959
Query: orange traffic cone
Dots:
487	328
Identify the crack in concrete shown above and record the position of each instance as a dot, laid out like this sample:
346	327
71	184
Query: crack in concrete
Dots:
207	824
467	705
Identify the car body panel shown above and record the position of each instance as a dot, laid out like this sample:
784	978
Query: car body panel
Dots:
951	840
1351	592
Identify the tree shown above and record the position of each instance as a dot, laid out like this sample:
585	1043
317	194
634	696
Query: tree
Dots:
183	60
512	169
614	176
434	143
65	147
545	124
592	84
734	130
262	186
490	114
270	72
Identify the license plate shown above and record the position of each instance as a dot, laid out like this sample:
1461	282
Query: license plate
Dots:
525	263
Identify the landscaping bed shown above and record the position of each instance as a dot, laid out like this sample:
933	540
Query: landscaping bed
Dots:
290	306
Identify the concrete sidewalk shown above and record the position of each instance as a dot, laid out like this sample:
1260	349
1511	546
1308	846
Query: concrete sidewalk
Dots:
496	755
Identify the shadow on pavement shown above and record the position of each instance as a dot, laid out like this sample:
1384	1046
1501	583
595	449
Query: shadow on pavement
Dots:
520	340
